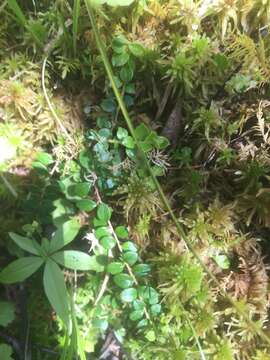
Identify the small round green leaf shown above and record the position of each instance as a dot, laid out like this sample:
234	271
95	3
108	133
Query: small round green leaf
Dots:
149	294
120	59
129	246
77	191
129	295
126	74
130	257
130	89
86	159
115	268
104	212
128	142
121	232
123	280
136	49
102	231
86	205
108	242
45	158
150	335
108	105
138	305
141	269
121	133
136	315
155	309
142	132
142	323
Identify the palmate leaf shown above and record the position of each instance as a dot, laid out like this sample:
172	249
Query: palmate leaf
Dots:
26	244
56	291
76	260
20	269
64	235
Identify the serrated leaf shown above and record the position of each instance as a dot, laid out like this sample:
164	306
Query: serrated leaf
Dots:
123	280
20	269
7	313
64	235
129	295
130	257
75	260
56	291
86	205
26	244
115	267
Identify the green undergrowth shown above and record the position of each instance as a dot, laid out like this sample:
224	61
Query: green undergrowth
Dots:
88	247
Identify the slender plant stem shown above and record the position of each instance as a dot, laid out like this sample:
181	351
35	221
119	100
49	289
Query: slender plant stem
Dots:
180	229
59	122
9	186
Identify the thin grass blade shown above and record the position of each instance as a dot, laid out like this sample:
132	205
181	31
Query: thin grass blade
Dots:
75	21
